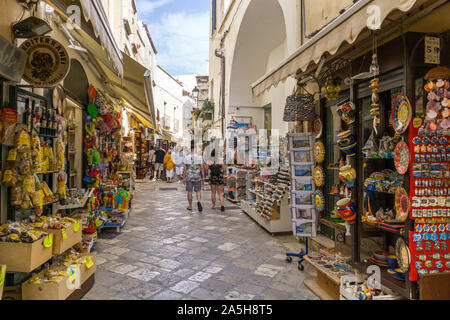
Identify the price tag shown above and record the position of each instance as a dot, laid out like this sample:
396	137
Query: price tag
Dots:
48	241
98	223
64	234
76	226
89	262
2	276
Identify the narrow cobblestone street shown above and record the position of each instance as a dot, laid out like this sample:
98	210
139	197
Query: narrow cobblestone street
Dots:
165	252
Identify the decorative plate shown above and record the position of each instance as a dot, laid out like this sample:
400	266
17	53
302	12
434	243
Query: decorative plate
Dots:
319	152
401	113
319	176
319	200
401	157
317	127
403	254
402	205
56	97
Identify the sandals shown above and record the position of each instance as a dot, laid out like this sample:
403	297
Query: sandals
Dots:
189	209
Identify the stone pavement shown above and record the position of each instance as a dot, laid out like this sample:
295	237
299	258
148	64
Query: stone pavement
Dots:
165	252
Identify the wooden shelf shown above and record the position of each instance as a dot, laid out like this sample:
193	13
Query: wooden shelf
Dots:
332	224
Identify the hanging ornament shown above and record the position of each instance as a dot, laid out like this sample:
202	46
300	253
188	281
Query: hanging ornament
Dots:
375	111
332	88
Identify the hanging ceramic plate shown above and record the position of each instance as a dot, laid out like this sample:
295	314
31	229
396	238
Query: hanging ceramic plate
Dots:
317	128
319	200
402	205
403	254
401	114
56	97
319	176
319	152
402	157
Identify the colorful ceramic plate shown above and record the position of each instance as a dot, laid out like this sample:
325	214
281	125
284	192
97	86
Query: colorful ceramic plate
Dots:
401	113
402	205
403	255
317	128
378	262
398	276
319	176
401	157
319	152
56	97
319	200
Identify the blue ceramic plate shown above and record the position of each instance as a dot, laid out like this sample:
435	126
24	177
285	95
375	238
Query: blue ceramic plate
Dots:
399	276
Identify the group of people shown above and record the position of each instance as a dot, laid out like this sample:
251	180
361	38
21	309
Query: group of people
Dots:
170	161
191	170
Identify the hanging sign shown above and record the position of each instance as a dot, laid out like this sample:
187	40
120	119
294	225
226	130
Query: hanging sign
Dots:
12	61
47	63
432	50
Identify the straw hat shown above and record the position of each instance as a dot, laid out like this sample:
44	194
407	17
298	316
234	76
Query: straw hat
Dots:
439	72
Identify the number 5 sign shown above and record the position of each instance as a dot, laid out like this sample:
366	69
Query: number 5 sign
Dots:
432	50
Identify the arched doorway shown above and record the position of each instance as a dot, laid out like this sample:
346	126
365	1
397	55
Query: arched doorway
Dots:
260	45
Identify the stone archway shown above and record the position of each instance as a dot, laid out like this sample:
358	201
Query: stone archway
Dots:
260	44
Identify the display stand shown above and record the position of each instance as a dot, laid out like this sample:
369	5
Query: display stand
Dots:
236	185
268	204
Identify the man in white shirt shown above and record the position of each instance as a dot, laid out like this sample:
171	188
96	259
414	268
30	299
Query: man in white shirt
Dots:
194	173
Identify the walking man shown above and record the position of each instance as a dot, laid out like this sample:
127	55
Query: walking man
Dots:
159	163
179	160
194	172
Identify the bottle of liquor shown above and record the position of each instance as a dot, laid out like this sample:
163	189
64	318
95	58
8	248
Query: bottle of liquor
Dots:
33	116
43	129
49	122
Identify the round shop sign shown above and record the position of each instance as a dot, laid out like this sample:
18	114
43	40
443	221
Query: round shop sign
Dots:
47	63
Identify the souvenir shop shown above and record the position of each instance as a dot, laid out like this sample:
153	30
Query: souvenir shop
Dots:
376	167
67	172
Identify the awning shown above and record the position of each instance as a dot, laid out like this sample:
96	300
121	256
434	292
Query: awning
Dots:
93	11
345	27
132	88
142	120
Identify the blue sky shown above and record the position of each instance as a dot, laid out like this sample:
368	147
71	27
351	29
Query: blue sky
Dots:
180	32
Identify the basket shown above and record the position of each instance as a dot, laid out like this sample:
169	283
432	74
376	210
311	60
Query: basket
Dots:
299	107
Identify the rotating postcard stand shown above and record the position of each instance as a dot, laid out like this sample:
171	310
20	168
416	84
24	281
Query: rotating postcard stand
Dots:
304	214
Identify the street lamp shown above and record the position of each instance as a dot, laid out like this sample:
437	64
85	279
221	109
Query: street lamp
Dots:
195	93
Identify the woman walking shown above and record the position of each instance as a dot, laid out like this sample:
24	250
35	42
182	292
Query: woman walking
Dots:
217	169
169	162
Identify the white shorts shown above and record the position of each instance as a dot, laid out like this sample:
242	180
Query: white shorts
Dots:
169	173
180	171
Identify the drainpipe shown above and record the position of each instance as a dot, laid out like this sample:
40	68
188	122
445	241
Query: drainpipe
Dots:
218	54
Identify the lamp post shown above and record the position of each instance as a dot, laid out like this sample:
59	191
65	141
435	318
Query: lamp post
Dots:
195	94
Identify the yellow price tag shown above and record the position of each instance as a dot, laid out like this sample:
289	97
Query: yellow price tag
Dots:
76	226
64	234
48	241
2	276
89	262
